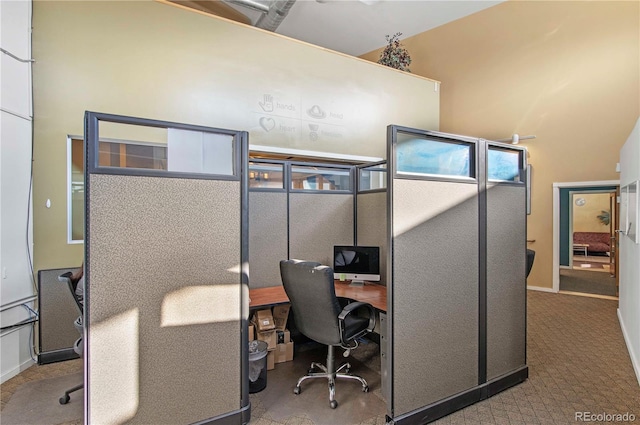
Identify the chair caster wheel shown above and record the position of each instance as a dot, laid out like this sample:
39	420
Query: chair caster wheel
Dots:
333	404
64	399
296	390
365	389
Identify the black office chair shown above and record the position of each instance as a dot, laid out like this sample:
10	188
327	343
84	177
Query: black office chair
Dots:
531	255
77	346
318	316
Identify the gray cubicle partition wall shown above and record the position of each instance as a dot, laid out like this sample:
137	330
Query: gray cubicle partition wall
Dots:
268	237
166	287
506	275
371	225
457	293
317	222
434	301
57	312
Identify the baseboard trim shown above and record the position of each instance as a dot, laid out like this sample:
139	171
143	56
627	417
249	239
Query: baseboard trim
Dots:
57	356
635	360
502	383
540	288
439	409
240	416
16	370
585	294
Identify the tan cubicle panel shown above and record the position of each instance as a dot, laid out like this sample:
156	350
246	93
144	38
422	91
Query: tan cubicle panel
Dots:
165	288
56	312
371	225
268	237
456	283
317	222
435	291
506	293
293	220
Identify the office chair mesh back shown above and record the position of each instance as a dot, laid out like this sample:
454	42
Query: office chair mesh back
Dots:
315	306
78	346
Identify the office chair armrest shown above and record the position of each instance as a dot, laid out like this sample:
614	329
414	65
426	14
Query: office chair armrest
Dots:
68	276
64	276
349	309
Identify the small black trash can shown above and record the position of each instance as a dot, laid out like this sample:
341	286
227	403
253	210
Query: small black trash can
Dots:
257	366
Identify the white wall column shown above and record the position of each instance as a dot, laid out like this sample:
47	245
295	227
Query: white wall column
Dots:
628	310
17	290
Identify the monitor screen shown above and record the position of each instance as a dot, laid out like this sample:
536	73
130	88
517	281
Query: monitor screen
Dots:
356	262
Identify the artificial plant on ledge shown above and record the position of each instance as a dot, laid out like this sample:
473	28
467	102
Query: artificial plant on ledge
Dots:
395	55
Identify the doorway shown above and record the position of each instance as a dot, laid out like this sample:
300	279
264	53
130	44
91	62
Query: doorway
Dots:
585	243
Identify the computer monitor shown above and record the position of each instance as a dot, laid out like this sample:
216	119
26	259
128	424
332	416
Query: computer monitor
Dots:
356	263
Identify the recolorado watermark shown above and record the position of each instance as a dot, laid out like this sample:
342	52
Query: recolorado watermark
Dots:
604	417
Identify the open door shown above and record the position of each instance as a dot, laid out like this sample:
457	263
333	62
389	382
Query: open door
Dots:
614	224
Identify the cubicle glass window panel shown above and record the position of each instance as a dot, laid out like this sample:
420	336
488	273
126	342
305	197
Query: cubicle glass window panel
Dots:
131	155
111	153
504	164
372	178
318	178
170	150
420	155
266	175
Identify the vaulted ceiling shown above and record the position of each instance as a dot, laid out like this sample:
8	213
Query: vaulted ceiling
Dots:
353	27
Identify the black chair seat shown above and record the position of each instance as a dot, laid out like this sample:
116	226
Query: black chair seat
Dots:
354	325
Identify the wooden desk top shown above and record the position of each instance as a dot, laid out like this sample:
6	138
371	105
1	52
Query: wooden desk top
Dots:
371	293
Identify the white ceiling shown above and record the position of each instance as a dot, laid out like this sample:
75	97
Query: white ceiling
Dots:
356	27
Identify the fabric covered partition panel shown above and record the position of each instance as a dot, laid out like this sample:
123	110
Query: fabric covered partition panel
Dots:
164	300
457	314
372	225
435	291
506	282
317	222
56	331
268	237
166	296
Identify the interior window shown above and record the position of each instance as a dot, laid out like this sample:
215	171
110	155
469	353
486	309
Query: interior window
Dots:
113	153
266	175
434	157
503	164
305	177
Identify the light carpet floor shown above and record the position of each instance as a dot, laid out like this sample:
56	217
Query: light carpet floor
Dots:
577	357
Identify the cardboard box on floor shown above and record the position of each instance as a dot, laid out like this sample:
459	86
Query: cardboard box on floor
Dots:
282	337
271	360
284	352
263	320
252	333
280	316
270	337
